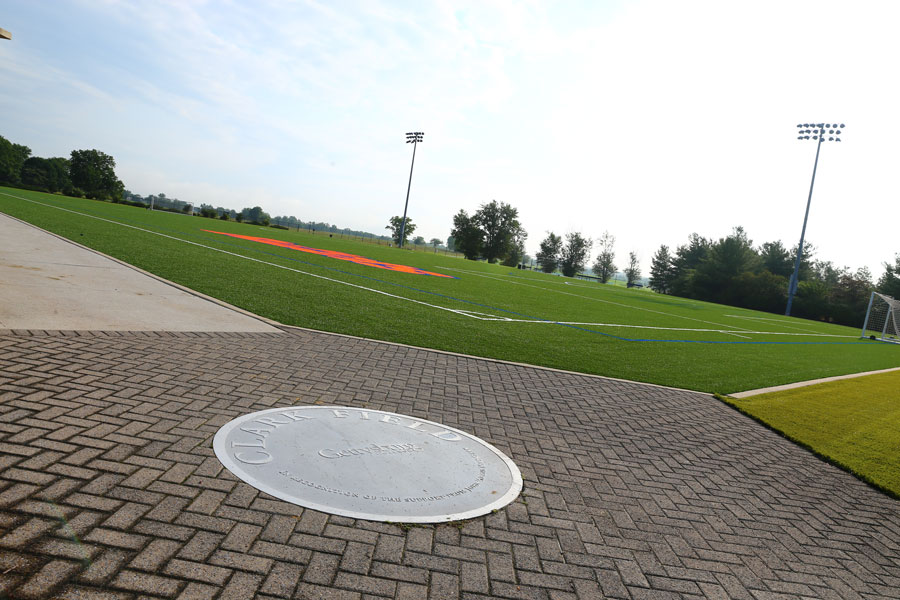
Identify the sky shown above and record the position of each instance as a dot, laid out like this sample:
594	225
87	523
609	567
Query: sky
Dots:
649	119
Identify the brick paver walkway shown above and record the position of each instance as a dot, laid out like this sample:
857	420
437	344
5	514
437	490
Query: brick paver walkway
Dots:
109	487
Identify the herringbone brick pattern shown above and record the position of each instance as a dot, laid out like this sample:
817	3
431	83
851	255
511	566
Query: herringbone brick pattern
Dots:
109	487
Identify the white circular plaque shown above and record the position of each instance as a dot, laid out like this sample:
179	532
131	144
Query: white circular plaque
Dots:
368	464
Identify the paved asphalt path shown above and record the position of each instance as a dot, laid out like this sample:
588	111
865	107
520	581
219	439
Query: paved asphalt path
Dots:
109	487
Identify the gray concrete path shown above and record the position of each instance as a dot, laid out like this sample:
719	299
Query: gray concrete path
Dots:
47	282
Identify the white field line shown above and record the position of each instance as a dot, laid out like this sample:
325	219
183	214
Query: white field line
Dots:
239	255
779	321
487	317
659	312
480	316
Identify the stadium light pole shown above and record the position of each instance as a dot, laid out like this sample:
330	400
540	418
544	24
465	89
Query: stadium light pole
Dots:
818	132
412	137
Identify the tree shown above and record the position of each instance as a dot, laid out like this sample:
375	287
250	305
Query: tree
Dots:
550	250
48	174
604	267
396	224
493	232
811	300
500	225
776	259
419	240
826	272
687	258
661	271
516	252
255	215
12	159
94	173
435	242
633	270
762	291
467	235
690	255
889	283
806	261
851	296
726	260
207	210
130	196
574	254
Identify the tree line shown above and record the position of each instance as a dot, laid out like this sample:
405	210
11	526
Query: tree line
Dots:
571	256
292	222
395	224
157	202
732	271
493	233
85	174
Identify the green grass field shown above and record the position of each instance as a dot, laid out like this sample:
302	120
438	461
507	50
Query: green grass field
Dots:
852	422
484	310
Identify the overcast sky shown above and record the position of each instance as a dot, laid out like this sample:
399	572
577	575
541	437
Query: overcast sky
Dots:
650	119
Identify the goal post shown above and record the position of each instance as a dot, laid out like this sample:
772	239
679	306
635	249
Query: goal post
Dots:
882	319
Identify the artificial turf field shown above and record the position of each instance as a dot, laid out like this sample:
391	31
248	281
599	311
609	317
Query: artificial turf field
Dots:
301	279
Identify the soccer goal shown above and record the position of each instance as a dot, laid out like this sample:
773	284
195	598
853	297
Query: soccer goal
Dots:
882	319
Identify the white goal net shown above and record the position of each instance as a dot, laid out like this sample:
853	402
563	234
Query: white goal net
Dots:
882	319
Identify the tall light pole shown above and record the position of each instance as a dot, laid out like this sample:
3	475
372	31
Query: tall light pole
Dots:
818	133
413	137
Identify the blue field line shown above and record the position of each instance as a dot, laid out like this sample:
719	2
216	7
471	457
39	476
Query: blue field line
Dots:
751	343
470	302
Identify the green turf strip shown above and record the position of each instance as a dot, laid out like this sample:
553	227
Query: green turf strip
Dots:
854	423
416	309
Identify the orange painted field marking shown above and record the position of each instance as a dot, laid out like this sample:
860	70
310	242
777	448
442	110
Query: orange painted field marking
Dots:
354	258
